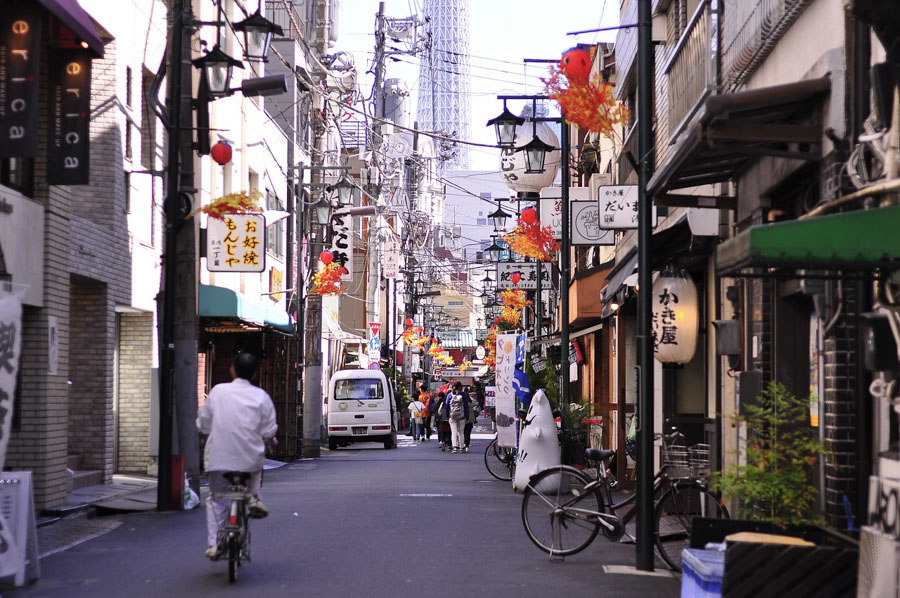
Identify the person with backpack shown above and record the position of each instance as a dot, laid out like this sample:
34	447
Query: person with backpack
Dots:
456	410
416	408
474	410
443	426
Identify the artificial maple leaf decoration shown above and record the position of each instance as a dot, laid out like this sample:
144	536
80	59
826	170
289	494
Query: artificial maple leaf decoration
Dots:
328	280
532	240
233	203
514	302
590	104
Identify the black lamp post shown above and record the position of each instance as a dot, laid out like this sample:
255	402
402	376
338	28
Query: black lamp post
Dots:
536	152
494	250
344	189
324	210
505	127
258	32
498	218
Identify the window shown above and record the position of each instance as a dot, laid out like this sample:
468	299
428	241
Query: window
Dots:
364	388
481	221
128	86
128	139
148	124
274	232
18	174
128	192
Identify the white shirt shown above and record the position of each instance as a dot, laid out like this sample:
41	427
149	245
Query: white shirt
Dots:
238	417
416	405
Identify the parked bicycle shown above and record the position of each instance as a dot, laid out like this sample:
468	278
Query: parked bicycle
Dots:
500	461
563	508
234	539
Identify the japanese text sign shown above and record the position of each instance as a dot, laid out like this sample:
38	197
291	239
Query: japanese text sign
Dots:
342	243
619	206
528	275
236	243
551	206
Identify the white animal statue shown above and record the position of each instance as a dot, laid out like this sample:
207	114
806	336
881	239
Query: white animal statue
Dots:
538	445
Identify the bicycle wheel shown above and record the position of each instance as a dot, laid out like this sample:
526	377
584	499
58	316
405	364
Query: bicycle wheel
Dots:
559	514
673	516
234	558
500	461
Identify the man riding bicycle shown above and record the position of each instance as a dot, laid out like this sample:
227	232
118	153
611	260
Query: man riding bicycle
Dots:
240	420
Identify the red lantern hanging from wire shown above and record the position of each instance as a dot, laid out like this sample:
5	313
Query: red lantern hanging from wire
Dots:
221	153
327	257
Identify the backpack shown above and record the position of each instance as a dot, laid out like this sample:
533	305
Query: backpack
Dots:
457	409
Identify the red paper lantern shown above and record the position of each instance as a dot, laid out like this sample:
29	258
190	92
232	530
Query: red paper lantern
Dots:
515	277
497	320
221	153
529	216
327	257
409	321
576	65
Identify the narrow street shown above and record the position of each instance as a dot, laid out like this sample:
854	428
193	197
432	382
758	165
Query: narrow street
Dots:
358	521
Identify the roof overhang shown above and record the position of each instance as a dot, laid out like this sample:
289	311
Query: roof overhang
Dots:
859	241
732	130
244	315
70	14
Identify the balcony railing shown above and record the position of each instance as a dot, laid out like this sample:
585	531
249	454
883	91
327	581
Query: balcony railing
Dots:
627	173
692	69
749	32
277	13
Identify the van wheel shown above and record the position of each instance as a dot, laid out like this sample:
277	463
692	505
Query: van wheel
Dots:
388	444
332	444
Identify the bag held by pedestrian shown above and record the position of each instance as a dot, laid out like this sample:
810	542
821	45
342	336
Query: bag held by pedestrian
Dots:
457	410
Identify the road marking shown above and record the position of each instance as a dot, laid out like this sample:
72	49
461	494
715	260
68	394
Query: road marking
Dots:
426	495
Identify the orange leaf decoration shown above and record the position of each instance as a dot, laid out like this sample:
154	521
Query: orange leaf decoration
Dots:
591	105
234	203
328	280
530	239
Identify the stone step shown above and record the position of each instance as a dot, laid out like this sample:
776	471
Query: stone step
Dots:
85	477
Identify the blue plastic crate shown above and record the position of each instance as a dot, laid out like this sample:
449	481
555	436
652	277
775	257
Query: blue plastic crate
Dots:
703	571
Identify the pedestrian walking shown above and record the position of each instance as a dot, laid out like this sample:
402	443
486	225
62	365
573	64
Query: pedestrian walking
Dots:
239	419
416	407
441	423
456	410
426	399
474	410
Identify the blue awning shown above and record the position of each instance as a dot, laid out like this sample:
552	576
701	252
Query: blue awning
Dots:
219	302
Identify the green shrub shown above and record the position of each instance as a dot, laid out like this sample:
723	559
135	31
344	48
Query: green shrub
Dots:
782	451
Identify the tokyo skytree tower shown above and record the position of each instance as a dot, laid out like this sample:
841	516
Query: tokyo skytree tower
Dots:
445	102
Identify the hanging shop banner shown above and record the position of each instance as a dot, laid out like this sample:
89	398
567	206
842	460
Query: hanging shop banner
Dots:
10	344
490	395
619	207
20	60
70	107
527	275
342	243
586	225
236	243
390	257
506	394
551	206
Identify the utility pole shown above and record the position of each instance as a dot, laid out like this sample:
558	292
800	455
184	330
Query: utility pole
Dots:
379	78
312	377
178	312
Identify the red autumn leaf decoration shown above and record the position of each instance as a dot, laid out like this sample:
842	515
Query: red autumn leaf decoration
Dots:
328	280
234	203
532	240
591	105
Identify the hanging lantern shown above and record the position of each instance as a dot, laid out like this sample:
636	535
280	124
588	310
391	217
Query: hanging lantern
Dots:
529	216
327	257
676	317
515	277
221	153
409	321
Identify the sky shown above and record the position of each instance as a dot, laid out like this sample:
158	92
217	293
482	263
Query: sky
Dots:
501	34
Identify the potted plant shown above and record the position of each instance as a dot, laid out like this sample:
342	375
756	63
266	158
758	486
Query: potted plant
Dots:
775	494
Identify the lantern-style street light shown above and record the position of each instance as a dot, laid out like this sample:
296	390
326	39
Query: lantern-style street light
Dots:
344	189
505	127
258	32
218	67
494	250
498	218
536	152
324	210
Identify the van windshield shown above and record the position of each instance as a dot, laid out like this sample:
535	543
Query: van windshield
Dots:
365	388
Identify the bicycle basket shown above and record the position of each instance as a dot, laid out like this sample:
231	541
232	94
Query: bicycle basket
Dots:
698	457
676	461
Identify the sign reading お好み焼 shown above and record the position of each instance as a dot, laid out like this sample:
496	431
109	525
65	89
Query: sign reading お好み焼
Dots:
236	243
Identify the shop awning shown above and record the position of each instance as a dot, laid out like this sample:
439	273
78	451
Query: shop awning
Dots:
863	240
70	14
734	129
622	270
219	302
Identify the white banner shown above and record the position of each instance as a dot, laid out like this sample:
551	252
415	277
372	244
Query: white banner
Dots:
618	206
10	344
390	257
551	206
490	394
506	395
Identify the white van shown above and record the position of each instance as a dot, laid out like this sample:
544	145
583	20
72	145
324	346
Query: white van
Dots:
361	408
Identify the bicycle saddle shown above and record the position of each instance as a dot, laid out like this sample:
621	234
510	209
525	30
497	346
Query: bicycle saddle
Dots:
598	454
237	478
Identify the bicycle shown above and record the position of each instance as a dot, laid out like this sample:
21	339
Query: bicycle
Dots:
500	461
234	539
564	509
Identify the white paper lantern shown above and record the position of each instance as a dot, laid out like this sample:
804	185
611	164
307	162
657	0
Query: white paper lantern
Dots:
676	317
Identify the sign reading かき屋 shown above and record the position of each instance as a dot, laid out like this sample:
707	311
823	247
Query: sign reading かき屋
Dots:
619	206
236	243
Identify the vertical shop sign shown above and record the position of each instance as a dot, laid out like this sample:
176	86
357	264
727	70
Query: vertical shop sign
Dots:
506	395
20	59
236	243
70	107
10	344
342	243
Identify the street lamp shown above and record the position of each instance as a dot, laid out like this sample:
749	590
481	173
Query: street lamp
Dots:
536	152
499	217
218	67
258	32
505	127
494	250
324	210
344	189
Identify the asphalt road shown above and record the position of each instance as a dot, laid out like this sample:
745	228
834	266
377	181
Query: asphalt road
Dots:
358	521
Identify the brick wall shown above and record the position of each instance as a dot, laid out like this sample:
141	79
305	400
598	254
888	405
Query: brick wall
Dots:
133	392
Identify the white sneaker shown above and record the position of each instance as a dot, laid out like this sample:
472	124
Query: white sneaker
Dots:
212	553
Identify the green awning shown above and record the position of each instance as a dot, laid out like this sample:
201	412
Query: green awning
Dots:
219	302
863	240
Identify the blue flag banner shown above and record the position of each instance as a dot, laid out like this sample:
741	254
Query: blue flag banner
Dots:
520	350
521	386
